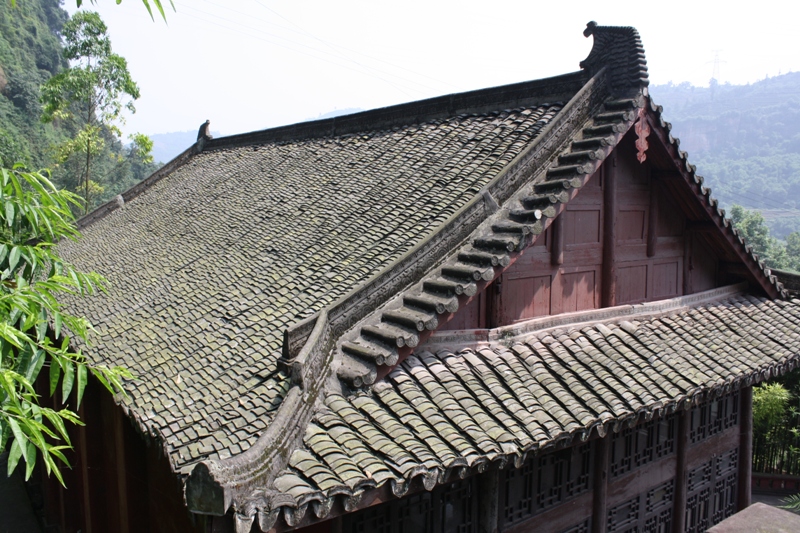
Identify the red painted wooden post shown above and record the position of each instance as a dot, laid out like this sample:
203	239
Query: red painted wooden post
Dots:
557	248
652	223
609	283
745	447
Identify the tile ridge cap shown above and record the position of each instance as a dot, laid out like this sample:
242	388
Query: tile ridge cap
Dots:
462	339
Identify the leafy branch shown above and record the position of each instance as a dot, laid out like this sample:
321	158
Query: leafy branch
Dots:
35	331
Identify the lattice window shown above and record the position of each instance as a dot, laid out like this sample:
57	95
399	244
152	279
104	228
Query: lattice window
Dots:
545	482
727	465
449	509
650	511
562	475
518	493
583	527
714	417
658	508
711	492
624	517
637	446
415	513
550	482
458	509
697	512
370	520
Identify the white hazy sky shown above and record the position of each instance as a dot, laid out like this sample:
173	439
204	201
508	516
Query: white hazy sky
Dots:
253	64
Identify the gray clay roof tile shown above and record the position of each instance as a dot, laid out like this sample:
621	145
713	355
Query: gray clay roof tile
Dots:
559	383
209	265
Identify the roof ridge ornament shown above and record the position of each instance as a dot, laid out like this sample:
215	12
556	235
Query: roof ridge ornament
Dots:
642	129
619	48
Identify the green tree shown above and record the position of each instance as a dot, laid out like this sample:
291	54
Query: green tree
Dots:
35	331
94	90
755	232
793	250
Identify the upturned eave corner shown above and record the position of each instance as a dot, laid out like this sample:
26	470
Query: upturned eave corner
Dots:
204	494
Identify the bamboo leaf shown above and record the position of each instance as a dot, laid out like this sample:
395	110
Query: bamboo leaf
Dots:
14	455
81	382
55	375
67	380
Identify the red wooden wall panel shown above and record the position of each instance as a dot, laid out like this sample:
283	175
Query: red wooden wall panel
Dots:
650	263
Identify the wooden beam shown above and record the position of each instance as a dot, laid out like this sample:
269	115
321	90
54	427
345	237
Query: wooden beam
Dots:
701	227
681	446
710	211
688	266
602	458
745	447
557	246
609	294
652	223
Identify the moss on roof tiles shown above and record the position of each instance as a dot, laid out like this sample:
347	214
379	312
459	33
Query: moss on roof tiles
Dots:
211	264
542	385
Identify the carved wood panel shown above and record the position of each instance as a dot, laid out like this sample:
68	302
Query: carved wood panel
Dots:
650	511
634	447
711	492
543	483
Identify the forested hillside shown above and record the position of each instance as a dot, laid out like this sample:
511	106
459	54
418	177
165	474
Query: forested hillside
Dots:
745	140
31	53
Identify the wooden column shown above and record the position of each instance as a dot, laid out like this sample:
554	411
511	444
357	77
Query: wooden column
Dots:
557	246
688	251
488	501
602	458
745	447
121	464
494	303
609	296
82	446
681	448
652	222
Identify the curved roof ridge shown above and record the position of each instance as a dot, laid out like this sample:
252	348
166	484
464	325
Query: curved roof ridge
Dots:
462	339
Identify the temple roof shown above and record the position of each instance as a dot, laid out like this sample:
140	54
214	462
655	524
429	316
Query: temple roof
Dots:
209	265
532	387
268	291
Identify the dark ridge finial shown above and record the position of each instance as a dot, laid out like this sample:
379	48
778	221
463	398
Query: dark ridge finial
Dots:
204	132
620	49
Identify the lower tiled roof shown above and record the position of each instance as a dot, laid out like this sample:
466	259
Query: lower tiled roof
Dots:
462	409
209	265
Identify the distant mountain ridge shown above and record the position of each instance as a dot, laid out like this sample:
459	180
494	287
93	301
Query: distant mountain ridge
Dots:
166	146
745	140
